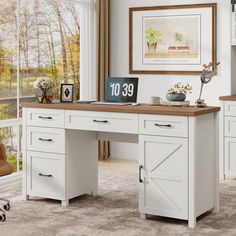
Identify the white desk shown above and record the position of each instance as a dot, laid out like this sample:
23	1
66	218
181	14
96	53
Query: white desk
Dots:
178	154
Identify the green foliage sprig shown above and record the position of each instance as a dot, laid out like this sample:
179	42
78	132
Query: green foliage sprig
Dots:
152	36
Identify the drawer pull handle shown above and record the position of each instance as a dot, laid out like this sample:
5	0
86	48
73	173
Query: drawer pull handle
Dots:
158	125
100	121
49	176
140	169
45	140
45	117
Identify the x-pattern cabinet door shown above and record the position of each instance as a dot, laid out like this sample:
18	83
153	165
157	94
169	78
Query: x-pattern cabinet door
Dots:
164	190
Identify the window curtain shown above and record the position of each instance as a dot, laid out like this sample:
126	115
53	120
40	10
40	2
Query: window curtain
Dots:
88	88
102	21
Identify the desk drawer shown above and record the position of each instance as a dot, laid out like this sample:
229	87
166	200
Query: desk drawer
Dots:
163	125
46	175
45	117
230	108
102	121
46	139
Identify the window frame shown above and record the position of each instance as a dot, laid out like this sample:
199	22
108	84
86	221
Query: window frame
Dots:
87	67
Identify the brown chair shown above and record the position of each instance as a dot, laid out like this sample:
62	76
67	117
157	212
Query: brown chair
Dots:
5	169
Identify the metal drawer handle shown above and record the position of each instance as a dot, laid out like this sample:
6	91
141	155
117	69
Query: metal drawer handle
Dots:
45	140
100	121
45	117
140	169
158	125
49	176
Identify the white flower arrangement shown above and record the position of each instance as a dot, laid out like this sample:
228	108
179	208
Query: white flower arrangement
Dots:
43	83
180	88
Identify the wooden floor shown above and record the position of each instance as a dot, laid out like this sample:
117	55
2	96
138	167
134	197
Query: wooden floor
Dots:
119	164
230	181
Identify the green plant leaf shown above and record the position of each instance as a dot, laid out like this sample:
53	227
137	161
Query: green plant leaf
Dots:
179	37
152	35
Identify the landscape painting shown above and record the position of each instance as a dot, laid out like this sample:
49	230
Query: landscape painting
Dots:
172	39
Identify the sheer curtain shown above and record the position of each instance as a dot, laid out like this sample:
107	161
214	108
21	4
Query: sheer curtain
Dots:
88	84
102	36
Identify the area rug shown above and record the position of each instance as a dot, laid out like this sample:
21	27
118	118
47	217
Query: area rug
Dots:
113	212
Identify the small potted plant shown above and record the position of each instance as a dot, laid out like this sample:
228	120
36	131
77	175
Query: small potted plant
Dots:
179	37
153	37
178	92
44	89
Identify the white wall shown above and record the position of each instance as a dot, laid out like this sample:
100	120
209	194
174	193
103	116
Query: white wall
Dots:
150	85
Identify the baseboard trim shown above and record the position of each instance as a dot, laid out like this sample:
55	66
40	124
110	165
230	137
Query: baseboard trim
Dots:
123	158
10	178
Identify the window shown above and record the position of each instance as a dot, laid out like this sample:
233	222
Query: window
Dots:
38	38
8	57
49	43
9	110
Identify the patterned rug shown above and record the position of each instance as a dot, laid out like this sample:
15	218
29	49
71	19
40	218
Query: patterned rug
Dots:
113	212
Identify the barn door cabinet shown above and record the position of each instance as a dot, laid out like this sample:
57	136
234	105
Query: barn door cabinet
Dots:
178	167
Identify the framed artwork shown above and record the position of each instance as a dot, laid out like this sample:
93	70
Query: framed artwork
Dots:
67	93
172	39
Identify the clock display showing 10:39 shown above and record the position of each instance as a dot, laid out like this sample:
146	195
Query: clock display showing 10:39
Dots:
124	90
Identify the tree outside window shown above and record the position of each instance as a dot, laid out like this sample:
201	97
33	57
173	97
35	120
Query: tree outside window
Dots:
49	46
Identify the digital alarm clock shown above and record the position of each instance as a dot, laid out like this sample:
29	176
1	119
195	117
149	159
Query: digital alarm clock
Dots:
121	89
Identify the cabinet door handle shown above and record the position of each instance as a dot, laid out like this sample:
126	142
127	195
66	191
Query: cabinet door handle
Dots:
45	117
159	125
45	140
100	121
48	176
140	169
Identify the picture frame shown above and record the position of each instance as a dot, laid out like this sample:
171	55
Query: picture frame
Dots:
67	93
176	39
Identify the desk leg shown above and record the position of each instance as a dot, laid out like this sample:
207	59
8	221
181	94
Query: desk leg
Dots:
94	193
216	164
25	197
192	173
65	203
192	222
143	216
220	140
